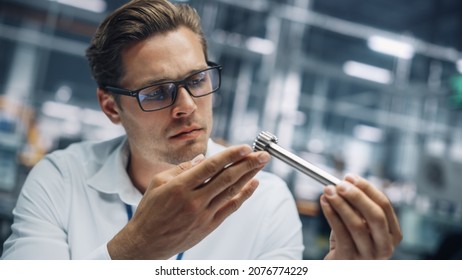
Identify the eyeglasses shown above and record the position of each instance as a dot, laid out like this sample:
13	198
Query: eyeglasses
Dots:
161	95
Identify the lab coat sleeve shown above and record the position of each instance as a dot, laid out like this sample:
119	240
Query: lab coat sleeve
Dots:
39	230
100	253
38	227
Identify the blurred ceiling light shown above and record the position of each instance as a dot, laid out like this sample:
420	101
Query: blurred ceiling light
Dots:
94	117
316	146
368	133
391	47
60	110
97	6
459	65
368	72
260	45
63	94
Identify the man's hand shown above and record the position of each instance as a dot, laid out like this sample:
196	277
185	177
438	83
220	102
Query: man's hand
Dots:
186	203
364	224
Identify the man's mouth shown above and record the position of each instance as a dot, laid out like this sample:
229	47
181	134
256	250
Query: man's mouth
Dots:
187	134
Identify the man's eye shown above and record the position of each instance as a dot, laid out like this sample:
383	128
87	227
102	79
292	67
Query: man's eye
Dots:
155	95
198	79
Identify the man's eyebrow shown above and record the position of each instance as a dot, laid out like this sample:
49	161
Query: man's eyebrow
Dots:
165	79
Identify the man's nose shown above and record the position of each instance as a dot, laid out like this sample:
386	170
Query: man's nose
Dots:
184	104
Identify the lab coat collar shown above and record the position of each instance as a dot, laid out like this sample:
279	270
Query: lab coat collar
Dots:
112	177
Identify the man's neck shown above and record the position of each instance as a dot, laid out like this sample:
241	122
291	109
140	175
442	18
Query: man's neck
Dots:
142	172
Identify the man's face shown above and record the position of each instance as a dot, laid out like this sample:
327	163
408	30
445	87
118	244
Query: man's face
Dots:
177	133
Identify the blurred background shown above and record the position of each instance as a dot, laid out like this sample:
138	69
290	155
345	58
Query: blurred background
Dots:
372	87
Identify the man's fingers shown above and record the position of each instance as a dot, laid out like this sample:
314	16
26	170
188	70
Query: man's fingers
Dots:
343	237
353	218
367	214
231	180
233	204
373	222
381	200
218	199
167	175
215	164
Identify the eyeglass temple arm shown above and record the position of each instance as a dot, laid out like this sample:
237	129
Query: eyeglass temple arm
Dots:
119	91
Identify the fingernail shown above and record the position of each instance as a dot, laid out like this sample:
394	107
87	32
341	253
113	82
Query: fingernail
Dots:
254	183
245	150
343	186
264	158
197	159
351	178
330	191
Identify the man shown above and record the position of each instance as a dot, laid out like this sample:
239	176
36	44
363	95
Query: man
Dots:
166	190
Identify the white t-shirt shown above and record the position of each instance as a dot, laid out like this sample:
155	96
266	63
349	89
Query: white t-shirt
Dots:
74	201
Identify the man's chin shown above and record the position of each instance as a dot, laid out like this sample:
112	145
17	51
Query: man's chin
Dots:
187	152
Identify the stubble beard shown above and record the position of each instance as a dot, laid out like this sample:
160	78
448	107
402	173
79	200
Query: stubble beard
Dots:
166	152
175	155
187	152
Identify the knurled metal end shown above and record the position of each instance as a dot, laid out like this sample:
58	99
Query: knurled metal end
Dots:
263	140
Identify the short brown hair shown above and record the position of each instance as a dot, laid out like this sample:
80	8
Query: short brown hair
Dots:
134	22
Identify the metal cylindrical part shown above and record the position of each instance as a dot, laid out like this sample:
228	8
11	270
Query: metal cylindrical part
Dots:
302	165
268	142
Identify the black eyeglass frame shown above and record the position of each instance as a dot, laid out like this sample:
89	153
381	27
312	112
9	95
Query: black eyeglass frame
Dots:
178	83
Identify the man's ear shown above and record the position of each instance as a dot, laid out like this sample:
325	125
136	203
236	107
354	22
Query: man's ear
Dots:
108	105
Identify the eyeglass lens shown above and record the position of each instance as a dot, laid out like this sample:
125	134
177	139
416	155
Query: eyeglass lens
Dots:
163	95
